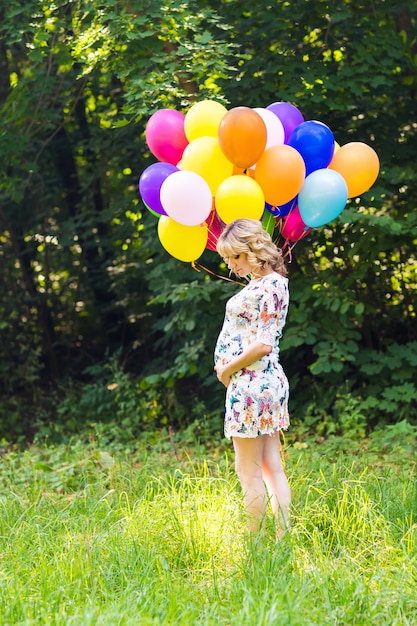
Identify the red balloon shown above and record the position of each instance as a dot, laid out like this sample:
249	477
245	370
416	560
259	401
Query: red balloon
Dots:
215	228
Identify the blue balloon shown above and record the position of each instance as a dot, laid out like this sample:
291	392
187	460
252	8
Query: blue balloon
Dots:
286	208
315	142
283	209
272	209
322	198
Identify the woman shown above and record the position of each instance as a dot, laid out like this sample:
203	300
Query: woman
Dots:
247	363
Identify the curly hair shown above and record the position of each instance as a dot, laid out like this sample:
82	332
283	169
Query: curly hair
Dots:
246	236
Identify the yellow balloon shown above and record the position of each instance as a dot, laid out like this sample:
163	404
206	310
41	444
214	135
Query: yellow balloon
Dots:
205	157
203	119
185	243
239	197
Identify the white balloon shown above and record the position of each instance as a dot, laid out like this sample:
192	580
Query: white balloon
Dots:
186	198
275	133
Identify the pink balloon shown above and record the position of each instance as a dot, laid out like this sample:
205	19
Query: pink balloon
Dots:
186	198
293	227
165	135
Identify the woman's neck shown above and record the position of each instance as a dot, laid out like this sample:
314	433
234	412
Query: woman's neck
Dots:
262	273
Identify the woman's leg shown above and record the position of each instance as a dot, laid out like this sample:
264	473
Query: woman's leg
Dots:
276	481
248	462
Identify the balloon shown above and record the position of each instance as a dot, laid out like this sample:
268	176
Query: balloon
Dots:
358	163
165	135
185	243
154	213
322	197
215	228
239	196
280	172
275	133
242	136
315	142
150	184
285	209
293	227
186	197
289	115
205	157
269	222
247	171
273	210
203	119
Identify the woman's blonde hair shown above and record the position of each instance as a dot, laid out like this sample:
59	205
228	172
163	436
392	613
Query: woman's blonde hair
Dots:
245	236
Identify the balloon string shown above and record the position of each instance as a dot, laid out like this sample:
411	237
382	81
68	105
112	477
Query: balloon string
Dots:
289	249
289	253
198	267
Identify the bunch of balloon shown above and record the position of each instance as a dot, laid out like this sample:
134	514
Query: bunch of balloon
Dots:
333	175
269	164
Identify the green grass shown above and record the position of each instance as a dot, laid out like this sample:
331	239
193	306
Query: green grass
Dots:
94	534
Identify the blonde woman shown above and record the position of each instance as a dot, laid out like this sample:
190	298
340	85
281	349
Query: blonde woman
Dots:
247	363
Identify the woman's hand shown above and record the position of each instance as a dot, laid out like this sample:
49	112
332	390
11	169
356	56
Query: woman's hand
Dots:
223	375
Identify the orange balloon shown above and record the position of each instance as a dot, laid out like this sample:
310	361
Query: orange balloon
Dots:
242	136
358	163
247	171
281	173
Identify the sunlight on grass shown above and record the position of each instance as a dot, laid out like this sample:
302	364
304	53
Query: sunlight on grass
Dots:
91	536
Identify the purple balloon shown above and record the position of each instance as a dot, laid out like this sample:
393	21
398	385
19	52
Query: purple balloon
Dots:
150	184
289	115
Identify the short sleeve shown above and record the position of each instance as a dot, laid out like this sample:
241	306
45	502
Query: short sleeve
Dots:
273	304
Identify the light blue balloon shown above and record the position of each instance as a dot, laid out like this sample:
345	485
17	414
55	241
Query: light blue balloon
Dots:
322	198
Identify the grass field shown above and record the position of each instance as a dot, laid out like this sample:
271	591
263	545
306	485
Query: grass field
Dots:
94	534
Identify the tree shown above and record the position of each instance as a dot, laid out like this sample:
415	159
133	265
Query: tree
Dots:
77	78
353	282
83	276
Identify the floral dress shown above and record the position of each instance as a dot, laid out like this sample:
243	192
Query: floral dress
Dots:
257	396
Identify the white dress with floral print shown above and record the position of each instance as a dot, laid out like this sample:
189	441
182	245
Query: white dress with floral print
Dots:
257	396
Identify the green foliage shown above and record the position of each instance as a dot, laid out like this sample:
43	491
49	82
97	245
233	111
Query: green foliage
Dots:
122	406
83	276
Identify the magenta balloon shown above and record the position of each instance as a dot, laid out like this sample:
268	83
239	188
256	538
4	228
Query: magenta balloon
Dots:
289	115
150	184
293	226
165	135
